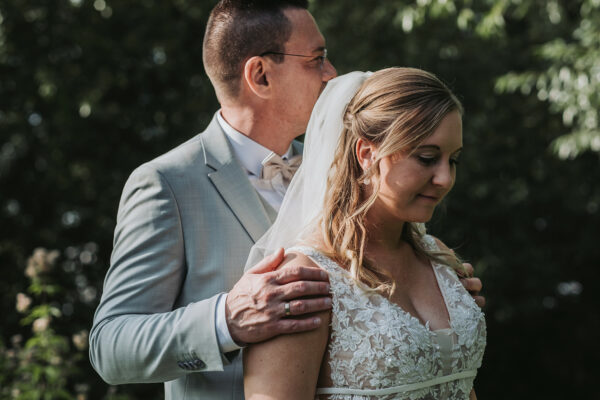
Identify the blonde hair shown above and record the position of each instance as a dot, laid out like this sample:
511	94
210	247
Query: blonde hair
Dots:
395	109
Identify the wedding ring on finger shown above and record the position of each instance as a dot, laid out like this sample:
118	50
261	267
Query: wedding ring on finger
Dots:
286	307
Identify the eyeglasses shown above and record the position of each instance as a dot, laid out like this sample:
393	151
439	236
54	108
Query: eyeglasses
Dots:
321	58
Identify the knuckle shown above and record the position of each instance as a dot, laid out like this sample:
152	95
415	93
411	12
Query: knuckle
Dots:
299	307
269	296
266	279
266	313
261	307
262	318
279	275
293	325
295	272
302	287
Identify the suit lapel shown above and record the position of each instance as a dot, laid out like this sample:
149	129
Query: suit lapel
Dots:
231	181
271	212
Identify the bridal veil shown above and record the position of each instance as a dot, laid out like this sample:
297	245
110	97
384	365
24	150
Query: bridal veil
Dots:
304	198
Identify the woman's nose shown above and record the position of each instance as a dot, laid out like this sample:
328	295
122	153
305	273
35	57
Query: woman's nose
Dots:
444	176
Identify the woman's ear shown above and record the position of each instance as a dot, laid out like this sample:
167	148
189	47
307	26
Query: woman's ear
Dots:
256	76
366	153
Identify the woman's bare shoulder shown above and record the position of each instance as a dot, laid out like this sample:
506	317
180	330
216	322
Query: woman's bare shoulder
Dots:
296	258
294	358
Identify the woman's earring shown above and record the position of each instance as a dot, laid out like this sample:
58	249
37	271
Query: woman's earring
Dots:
367	181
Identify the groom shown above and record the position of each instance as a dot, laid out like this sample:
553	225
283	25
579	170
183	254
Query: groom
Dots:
175	306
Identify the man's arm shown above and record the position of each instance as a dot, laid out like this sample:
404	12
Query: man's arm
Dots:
137	336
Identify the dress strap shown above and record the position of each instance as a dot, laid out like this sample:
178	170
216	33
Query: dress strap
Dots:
400	389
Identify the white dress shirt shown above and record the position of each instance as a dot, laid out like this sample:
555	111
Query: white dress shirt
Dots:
251	156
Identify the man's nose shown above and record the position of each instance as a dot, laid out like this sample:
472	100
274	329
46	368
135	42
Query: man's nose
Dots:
329	71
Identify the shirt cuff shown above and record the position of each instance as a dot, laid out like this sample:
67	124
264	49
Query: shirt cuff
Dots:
226	343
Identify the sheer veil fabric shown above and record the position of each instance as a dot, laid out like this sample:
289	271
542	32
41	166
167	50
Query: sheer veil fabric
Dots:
303	201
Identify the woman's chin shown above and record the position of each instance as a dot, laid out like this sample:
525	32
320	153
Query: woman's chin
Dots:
422	218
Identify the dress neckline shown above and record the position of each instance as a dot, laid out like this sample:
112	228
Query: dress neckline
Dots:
424	326
414	318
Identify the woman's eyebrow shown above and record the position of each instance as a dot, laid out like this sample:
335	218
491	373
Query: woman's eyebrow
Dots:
429	146
436	147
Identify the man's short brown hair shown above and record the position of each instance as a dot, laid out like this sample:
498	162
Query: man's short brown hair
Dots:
237	30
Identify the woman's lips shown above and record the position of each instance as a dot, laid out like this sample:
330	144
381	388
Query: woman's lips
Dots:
433	199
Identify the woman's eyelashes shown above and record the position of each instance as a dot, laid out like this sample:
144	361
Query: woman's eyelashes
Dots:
427	160
432	160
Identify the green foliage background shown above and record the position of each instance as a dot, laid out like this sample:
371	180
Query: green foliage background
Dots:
91	89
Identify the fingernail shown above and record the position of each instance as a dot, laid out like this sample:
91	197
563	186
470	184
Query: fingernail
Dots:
327	301
317	321
323	275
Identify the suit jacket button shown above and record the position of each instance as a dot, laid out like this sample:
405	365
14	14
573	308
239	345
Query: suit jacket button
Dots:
199	363
181	365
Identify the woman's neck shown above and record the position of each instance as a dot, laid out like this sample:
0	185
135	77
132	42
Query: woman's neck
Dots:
384	231
385	245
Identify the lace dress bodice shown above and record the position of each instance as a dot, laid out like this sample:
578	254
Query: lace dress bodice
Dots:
379	351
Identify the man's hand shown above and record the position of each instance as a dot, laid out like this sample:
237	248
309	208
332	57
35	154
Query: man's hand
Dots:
473	285
255	307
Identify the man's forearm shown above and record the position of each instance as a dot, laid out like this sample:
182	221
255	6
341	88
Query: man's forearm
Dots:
157	347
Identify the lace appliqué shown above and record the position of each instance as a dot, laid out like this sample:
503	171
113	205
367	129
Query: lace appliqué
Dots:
375	344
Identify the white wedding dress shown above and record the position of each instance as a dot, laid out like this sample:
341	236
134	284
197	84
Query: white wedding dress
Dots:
379	351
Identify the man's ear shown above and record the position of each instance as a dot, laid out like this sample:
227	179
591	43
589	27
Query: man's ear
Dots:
366	153
256	76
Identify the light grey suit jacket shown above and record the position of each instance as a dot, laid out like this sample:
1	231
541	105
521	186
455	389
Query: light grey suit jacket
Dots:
185	226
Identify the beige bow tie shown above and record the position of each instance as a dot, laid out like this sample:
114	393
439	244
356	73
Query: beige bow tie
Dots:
274	164
277	172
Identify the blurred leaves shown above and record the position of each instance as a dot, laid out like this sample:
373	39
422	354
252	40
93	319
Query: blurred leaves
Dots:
569	79
42	367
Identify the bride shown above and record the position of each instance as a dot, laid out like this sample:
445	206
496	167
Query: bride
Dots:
381	152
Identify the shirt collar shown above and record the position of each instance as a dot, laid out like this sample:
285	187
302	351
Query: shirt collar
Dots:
250	153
